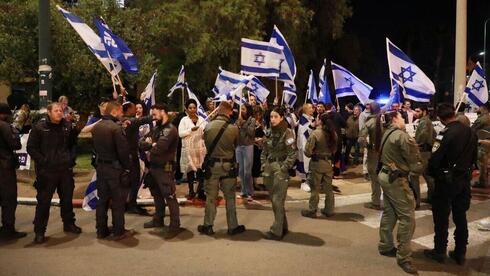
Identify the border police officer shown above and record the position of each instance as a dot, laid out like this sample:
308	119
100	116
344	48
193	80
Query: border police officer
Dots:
51	145
399	157
277	158
320	147
113	168
453	154
9	142
163	146
222	169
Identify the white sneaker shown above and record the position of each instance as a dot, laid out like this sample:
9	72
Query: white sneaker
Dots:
305	187
484	226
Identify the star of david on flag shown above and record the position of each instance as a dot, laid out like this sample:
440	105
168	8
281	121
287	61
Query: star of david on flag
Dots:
347	84
476	88
92	40
260	58
413	82
257	88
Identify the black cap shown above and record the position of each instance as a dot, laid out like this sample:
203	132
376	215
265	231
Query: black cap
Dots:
5	109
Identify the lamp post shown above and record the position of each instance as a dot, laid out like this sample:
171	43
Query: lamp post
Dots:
45	69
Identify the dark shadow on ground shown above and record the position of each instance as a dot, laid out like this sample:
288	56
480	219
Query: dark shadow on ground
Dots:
422	263
185	234
250	235
128	242
303	239
343	217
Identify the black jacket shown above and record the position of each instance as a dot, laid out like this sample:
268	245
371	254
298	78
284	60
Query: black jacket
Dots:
52	146
9	142
132	132
165	137
110	142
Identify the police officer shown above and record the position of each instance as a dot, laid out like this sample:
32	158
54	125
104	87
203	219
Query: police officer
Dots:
9	142
399	157
222	170
163	146
424	136
51	145
320	147
132	132
278	157
482	122
113	168
370	132
453	154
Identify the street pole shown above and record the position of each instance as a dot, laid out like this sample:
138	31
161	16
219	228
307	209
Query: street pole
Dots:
45	69
460	50
485	45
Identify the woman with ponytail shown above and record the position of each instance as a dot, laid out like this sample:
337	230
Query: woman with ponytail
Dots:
278	156
321	147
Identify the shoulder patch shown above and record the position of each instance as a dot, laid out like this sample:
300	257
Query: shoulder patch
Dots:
436	146
290	141
166	132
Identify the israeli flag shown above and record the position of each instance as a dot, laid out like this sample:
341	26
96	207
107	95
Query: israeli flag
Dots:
117	48
394	97
226	82
180	84
90	199
148	96
287	66
324	95
260	58
200	109
257	88
415	84
92	40
476	88
312	89
290	96
347	84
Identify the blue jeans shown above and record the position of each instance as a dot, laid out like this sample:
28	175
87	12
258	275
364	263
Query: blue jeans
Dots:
245	159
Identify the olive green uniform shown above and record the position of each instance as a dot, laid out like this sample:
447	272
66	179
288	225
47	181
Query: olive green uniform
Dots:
369	131
482	122
424	136
399	152
222	158
278	156
321	171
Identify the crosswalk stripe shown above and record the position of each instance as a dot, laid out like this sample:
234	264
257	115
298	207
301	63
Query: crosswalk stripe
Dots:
475	236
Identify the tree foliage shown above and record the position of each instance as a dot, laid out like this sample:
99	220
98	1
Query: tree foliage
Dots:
202	35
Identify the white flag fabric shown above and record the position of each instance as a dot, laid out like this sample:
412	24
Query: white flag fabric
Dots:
324	92
148	96
180	82
347	84
227	82
257	88
415	84
311	90
90	199
260	58
290	96
477	88
287	70
93	41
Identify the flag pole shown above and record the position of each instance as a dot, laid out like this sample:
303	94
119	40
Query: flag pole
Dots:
338	105
277	98
460	101
183	97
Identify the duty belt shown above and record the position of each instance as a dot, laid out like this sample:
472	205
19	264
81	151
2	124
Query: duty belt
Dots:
222	160
167	166
276	159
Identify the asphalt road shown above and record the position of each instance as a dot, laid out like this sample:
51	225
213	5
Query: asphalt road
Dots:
345	244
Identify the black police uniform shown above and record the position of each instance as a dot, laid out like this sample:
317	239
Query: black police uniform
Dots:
9	142
113	167
163	149
454	152
52	147
132	135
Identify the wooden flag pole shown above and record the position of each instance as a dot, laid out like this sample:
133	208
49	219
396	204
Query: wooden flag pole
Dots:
183	98
338	105
277	98
460	101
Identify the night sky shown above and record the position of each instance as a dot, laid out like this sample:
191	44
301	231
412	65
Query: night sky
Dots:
422	29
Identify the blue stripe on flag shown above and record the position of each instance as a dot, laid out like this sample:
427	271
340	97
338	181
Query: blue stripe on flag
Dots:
261	47
73	18
398	53
473	98
259	70
417	94
480	72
